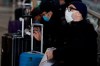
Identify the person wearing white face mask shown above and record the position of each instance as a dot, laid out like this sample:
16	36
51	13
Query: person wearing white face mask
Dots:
80	39
72	14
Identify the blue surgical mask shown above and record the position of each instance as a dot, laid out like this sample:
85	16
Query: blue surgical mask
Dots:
46	18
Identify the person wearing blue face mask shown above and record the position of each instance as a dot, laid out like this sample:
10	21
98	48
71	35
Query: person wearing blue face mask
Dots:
44	17
47	16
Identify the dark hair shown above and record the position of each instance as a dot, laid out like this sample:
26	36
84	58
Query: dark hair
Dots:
47	5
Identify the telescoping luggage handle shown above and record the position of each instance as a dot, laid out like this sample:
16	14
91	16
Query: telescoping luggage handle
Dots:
41	27
22	20
26	4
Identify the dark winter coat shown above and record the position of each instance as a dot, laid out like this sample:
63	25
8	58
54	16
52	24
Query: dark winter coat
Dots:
77	45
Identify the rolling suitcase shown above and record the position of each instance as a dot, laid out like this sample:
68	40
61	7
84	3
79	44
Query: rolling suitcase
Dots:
32	58
6	51
12	47
14	26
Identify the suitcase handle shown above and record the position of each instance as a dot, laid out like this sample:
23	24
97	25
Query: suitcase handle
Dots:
36	52
23	3
32	25
22	20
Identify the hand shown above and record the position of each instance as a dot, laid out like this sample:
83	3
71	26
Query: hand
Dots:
27	32
38	18
37	33
49	54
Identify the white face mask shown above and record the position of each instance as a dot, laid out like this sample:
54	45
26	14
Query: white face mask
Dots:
68	16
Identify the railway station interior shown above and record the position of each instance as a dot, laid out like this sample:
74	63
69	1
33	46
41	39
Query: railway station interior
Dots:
12	46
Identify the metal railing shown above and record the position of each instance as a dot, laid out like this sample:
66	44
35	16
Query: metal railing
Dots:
97	16
93	13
